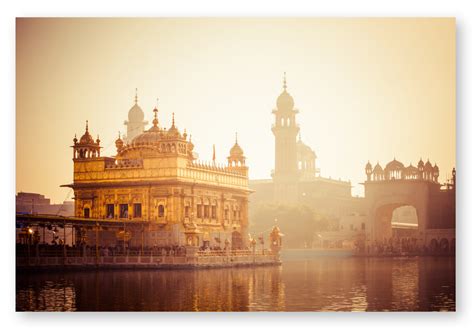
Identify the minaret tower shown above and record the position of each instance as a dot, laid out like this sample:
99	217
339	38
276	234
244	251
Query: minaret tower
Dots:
135	123
285	130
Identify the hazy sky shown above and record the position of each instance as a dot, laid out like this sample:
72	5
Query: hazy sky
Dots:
366	89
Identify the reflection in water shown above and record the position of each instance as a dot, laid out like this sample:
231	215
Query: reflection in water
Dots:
317	284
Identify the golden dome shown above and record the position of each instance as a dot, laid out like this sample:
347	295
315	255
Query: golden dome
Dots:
86	138
151	136
119	142
236	150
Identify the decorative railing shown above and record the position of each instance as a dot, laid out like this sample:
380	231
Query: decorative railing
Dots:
124	164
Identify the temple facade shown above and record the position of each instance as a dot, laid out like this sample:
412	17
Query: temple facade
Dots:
155	179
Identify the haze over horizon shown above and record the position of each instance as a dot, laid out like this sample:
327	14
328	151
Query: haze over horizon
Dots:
366	89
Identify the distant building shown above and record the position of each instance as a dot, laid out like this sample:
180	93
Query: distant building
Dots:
135	123
296	178
35	203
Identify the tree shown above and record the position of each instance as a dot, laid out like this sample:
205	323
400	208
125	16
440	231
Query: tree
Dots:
298	222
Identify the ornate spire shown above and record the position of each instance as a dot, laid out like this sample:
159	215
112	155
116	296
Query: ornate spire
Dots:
136	96
214	153
284	81
87	126
155	110
236	138
172	121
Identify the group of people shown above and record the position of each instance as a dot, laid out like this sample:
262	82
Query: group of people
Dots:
406	246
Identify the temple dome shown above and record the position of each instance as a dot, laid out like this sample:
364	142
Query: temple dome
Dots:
236	150
285	101
151	136
378	168
135	114
428	165
394	165
86	138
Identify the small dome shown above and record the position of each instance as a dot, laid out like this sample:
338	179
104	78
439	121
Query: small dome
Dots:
151	136
236	150
135	114
428	165
285	102
86	138
435	171
173	131
394	165
378	169
411	170
420	164
304	149
119	142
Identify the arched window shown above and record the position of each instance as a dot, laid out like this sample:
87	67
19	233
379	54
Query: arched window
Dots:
161	210
288	122
282	122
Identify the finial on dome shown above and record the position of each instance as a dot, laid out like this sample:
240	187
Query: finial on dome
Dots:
236	142
87	125
172	122
284	81
155	110
119	134
136	96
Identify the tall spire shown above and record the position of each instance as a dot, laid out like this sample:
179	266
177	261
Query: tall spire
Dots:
214	153
87	126
172	122
136	96
155	110
284	81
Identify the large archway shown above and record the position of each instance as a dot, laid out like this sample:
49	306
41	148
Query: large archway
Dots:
396	228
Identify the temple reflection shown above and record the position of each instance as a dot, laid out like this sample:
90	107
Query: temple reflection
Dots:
318	284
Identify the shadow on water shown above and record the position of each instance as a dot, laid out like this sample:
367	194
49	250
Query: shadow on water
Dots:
304	282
